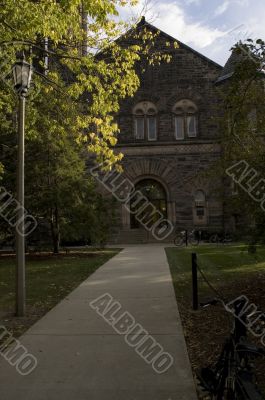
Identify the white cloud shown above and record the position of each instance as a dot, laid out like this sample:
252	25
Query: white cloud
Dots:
172	19
188	2
221	9
242	2
243	21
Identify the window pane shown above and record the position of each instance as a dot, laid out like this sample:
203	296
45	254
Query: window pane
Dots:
151	124
200	212
252	119
199	198
179	127
191	125
139	128
151	111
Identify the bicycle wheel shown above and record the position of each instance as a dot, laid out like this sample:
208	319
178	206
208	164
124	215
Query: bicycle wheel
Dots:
178	241
214	238
245	388
193	240
227	239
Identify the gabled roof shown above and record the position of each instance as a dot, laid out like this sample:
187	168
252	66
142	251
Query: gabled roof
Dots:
143	22
240	54
230	66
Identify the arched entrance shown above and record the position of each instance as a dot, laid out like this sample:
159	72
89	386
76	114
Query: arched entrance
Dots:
156	195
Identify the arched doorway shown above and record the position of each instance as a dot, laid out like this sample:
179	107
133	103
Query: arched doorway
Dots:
156	195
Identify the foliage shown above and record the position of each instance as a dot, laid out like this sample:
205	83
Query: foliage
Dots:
244	104
81	72
86	63
243	127
58	188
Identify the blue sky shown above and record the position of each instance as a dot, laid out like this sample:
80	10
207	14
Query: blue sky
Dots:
209	26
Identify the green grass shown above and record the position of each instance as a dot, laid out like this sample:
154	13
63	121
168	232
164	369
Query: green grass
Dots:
233	272
221	264
49	278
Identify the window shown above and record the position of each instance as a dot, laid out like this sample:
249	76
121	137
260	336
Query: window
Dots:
199	198
252	120
185	119
191	126
234	188
179	128
145	123
200	215
151	126
139	127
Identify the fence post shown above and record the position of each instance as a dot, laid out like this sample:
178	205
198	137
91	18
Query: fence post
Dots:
194	282
186	237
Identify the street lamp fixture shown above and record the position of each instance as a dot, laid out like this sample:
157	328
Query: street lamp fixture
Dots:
22	72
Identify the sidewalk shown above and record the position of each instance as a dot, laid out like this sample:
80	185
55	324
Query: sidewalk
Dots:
81	357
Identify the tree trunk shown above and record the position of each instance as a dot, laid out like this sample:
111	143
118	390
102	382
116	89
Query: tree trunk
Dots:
55	230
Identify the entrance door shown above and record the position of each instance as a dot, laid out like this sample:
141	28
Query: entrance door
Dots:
156	194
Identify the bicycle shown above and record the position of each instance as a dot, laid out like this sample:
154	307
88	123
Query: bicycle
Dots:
184	238
220	238
232	376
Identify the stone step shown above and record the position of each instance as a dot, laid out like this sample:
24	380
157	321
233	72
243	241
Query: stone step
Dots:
135	236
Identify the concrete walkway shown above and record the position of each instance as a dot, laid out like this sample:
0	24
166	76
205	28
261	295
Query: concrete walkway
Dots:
81	357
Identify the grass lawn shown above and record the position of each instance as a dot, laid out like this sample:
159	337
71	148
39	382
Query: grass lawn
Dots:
49	278
233	272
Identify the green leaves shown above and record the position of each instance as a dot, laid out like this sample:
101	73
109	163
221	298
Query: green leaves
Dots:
244	121
89	70
72	105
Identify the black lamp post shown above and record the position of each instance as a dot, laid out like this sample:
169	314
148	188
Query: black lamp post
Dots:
22	72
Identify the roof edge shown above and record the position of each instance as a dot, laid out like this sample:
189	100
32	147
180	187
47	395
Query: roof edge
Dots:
225	77
143	22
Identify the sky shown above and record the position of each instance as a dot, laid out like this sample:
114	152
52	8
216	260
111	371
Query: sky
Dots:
208	26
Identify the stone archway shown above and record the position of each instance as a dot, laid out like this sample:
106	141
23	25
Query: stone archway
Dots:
151	169
156	194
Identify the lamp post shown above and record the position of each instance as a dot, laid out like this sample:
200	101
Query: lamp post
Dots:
22	72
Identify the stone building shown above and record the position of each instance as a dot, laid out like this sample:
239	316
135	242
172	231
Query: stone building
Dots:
169	137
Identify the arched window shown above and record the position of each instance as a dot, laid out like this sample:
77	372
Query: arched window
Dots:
145	124
199	198
200	216
252	119
185	119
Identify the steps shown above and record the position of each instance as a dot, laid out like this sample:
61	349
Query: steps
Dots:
135	236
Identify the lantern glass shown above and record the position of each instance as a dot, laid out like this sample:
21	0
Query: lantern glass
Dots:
22	72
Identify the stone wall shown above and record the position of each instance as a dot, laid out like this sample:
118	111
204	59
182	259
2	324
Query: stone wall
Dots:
187	76
182	167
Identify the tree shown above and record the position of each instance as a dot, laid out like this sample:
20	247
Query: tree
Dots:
82	71
244	129
59	189
85	61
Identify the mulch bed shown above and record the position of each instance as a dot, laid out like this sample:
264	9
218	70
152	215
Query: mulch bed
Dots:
205	330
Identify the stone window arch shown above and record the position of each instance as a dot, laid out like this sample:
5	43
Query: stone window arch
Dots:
145	121
185	119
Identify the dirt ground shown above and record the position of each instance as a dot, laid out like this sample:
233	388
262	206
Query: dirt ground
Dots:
205	330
